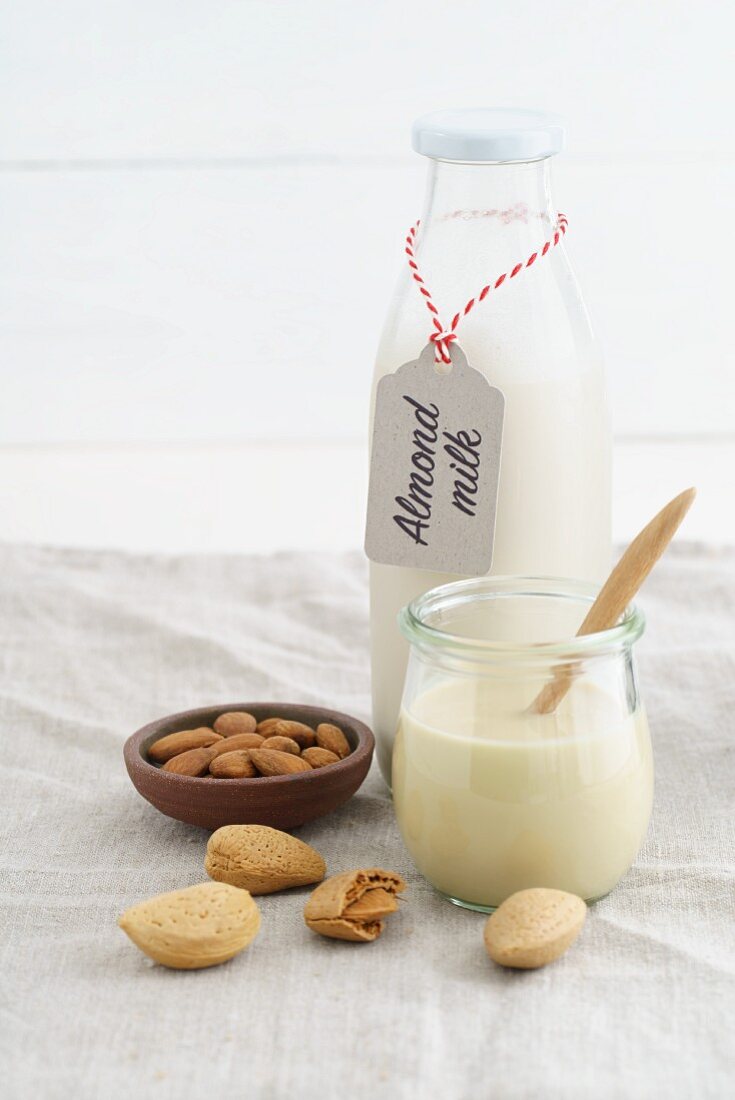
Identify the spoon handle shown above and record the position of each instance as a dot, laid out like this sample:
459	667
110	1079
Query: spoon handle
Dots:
620	588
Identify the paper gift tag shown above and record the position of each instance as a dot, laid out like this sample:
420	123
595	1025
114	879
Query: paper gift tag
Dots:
434	467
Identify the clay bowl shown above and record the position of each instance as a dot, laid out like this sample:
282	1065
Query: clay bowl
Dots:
283	801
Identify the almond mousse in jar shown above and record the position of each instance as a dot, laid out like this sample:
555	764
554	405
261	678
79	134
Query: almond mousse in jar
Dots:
492	796
489	209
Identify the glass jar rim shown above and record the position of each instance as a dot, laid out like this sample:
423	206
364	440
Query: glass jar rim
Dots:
413	625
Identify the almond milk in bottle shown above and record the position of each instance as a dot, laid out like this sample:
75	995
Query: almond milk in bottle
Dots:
489	208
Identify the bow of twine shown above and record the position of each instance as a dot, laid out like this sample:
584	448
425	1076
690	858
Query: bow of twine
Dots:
442	338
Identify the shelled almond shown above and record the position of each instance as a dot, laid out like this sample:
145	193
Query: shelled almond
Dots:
332	739
319	758
280	744
234	722
238	746
269	762
238	741
303	735
176	743
267	727
194	762
233	765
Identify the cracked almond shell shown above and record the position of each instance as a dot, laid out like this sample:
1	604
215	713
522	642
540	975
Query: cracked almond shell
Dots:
261	860
351	906
190	929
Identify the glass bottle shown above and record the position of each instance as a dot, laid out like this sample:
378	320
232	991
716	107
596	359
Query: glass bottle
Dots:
493	797
489	207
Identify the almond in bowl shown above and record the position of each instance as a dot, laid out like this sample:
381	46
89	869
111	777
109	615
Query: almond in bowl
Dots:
272	764
232	749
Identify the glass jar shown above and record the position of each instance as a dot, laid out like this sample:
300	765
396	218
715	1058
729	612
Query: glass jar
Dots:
489	206
492	797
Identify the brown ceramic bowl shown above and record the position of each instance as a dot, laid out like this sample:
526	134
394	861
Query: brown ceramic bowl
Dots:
283	801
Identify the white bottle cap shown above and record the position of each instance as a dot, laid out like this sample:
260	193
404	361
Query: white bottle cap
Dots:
486	134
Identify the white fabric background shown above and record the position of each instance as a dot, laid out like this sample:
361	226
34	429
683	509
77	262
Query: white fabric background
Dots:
95	644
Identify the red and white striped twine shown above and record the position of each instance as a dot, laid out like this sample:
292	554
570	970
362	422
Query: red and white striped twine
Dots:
441	338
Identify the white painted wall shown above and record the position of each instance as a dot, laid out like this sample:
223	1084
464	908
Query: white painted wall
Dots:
186	185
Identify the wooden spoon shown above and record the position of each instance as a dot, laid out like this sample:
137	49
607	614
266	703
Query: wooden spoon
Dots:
619	589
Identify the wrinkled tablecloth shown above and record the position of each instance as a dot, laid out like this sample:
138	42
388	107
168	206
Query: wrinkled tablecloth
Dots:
96	644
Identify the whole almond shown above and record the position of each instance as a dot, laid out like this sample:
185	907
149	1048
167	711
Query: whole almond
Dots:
269	762
234	722
194	762
533	927
261	860
238	741
342	907
282	744
233	765
268	726
331	737
189	929
302	734
174	743
320	758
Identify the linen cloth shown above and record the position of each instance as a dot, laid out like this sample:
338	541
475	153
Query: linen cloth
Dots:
96	644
